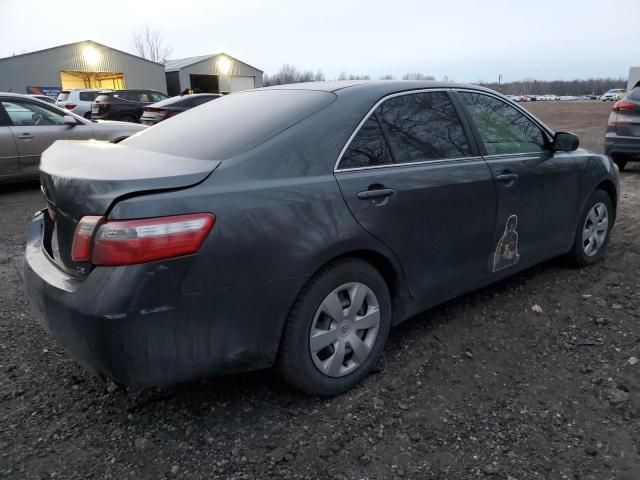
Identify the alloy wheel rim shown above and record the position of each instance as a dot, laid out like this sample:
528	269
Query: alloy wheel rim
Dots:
595	229
344	329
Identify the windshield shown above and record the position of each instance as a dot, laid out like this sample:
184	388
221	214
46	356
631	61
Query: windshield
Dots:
232	124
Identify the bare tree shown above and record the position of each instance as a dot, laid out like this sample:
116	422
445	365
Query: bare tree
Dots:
417	76
149	44
387	77
290	74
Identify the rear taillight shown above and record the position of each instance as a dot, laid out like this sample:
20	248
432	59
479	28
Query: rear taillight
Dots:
81	246
160	111
128	242
70	106
621	105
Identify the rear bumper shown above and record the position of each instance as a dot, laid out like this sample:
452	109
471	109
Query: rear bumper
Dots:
135	326
614	144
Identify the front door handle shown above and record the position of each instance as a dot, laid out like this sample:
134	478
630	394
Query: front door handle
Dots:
508	178
376	194
25	136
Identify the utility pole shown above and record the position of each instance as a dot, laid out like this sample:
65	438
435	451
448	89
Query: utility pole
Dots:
499	81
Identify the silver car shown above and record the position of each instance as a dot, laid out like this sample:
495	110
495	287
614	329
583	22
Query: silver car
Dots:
29	126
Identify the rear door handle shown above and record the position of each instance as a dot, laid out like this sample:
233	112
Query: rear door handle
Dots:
25	136
507	177
376	193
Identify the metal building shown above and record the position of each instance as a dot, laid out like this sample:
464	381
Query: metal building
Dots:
634	78
217	73
79	65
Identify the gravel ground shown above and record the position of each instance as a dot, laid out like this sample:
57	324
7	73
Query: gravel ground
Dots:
482	387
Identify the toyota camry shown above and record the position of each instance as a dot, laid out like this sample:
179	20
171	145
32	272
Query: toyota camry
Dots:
292	226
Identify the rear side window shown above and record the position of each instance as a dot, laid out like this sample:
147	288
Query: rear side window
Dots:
63	95
634	94
88	96
195	101
503	128
156	97
232	124
423	126
368	148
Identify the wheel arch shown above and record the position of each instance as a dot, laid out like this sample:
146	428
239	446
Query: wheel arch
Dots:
610	189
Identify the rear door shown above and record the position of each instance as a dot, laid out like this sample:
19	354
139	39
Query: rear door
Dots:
537	188
412	178
8	149
35	127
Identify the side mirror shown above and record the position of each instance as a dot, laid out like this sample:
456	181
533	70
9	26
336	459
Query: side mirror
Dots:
69	120
565	142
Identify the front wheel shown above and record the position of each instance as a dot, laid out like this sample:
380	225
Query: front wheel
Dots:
594	225
337	329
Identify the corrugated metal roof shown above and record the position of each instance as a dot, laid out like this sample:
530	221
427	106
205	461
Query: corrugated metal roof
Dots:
67	45
180	63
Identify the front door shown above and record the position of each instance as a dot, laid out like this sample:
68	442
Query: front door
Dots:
411	178
35	127
537	188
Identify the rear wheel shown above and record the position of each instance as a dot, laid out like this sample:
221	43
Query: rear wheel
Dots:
594	225
337	329
128	118
620	161
87	115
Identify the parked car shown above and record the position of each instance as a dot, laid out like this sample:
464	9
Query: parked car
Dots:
44	98
611	95
157	112
622	139
78	100
123	105
29	126
293	225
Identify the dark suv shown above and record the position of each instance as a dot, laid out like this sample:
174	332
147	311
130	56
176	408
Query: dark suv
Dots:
123	105
622	140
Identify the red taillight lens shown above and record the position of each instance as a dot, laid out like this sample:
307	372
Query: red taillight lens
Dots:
81	246
623	105
128	242
70	106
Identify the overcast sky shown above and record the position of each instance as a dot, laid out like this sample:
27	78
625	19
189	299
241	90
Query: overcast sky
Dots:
466	40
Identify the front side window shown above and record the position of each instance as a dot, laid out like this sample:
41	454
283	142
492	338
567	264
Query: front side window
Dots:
503	128
368	148
423	126
26	114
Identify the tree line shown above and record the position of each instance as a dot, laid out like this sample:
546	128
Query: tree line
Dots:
591	86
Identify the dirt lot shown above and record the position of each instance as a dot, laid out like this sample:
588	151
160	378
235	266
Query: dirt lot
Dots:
482	387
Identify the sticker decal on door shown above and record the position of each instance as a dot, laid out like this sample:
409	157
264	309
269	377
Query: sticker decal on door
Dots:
507	249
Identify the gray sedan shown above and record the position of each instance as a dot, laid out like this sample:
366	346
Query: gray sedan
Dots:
29	126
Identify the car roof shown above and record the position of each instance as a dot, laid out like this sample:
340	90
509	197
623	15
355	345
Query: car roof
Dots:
390	85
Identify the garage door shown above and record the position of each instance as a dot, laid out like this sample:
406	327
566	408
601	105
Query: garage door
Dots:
241	83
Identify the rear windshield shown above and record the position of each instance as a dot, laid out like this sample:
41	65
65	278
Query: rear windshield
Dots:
103	97
634	94
232	124
88	96
63	95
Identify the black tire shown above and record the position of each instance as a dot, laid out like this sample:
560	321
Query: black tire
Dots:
128	118
295	363
620	161
578	255
87	115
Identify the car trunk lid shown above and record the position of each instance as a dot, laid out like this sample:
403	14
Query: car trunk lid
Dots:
87	178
